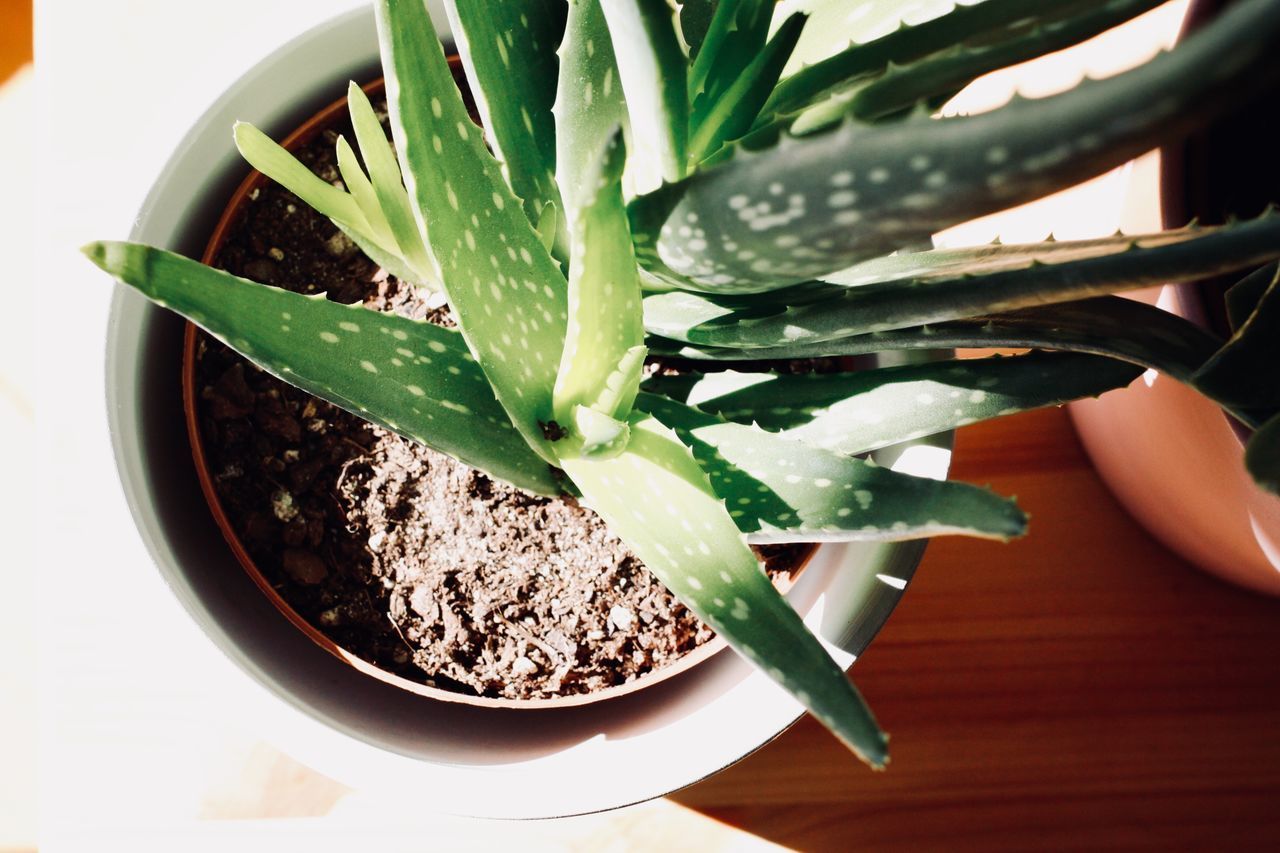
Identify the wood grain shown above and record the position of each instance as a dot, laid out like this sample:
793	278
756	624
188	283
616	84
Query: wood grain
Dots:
1080	688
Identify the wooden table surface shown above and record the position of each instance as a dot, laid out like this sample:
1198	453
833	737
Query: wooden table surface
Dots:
1080	688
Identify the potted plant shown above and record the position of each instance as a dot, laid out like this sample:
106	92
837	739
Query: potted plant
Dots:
689	201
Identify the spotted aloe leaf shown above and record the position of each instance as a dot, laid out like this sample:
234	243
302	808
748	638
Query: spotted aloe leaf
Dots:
891	30
710	568
622	384
862	411
1246	371
914	289
652	67
906	267
408	376
733	113
1110	326
1262	456
935	78
778	489
589	104
938	56
509	52
809	205
507	292
604	327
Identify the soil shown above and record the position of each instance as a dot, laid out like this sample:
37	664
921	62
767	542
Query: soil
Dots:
400	555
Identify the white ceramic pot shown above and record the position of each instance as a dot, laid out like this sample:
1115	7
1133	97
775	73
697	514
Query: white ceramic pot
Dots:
1175	461
447	756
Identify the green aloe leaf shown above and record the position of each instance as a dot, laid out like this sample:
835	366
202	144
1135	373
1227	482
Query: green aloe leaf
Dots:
733	113
652	67
950	44
853	32
1244	295
388	185
597	435
359	214
604	295
622	384
1262	456
391	261
375	246
589	104
509	52
865	410
1246	371
695	20
782	490
810	205
683	533
549	227
361	189
507	293
405	375
943	74
735	35
906	267
1110	326
932	287
265	155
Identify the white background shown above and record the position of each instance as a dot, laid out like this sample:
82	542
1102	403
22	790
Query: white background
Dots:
135	719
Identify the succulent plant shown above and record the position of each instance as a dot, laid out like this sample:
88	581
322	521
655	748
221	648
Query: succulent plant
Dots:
652	181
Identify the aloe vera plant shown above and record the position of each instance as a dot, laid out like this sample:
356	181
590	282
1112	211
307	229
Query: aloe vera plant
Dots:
652	181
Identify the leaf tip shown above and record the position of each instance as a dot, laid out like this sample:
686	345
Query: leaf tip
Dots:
244	134
103	254
876	752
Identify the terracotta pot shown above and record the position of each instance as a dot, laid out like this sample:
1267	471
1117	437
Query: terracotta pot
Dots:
322	120
1170	456
362	731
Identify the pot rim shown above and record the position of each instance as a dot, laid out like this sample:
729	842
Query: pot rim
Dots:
252	182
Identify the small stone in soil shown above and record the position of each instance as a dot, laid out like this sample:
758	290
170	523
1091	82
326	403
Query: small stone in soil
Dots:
283	507
304	567
524	666
620	617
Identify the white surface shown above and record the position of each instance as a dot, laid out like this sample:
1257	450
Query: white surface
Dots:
130	691
17	432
